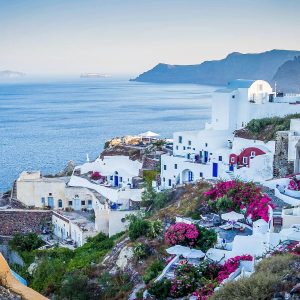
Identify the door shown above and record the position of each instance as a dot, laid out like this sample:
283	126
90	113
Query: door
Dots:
77	205
231	168
51	202
205	156
215	169
116	180
191	176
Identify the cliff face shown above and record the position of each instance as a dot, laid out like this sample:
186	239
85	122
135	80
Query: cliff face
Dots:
287	77
219	72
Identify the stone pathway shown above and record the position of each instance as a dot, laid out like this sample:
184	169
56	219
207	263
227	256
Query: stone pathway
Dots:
136	289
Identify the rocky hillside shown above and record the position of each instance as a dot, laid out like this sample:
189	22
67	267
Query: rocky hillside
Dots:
218	72
287	76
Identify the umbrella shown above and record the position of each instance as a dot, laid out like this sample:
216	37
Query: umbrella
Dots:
194	253
290	234
232	216
149	134
178	250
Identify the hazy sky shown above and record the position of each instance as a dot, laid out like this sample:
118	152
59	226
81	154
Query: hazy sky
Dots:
131	36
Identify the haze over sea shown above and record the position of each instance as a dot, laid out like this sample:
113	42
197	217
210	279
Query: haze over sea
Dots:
45	124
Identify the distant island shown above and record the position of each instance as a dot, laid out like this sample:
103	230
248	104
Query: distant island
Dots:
94	75
11	74
219	72
287	77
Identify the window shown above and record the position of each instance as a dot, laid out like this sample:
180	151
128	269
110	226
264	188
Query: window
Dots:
190	143
59	203
201	174
183	147
206	144
90	202
175	166
70	203
177	147
43	200
233	96
165	167
253	153
121	179
83	202
245	160
164	179
111	177
170	182
232	159
180	139
220	158
194	149
50	194
188	156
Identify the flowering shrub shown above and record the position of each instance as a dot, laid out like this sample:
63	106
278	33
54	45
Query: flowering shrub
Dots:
294	184
245	197
185	282
205	292
293	248
231	265
182	234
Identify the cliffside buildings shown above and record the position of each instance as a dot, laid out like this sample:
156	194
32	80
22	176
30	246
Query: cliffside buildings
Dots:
214	152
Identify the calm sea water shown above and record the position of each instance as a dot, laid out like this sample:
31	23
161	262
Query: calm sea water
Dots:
43	125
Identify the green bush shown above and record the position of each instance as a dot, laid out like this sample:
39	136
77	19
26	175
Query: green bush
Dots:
75	286
154	229
149	175
206	239
153	271
25	242
137	227
141	251
160	289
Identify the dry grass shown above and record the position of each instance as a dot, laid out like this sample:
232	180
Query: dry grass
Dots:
269	278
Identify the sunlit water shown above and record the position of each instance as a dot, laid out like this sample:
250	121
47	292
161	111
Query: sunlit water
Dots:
43	125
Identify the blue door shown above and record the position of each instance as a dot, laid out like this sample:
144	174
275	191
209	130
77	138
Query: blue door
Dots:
205	156
116	180
77	205
231	168
191	176
215	170
51	202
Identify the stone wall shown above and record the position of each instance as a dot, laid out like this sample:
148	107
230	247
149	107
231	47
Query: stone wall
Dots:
282	166
23	221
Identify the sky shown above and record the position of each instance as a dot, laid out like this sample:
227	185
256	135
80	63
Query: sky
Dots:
132	36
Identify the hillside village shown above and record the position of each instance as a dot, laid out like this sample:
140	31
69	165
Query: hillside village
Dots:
194	216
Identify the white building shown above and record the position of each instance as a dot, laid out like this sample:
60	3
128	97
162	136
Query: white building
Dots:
294	144
37	191
116	171
208	153
72	226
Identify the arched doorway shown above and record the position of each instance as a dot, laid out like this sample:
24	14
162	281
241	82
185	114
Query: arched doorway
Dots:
187	176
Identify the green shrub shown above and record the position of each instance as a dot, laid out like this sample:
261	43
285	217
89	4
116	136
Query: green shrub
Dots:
206	239
141	251
153	271
154	229
149	175
25	242
75	286
137	227
160	289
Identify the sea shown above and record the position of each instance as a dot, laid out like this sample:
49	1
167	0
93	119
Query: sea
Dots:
45	123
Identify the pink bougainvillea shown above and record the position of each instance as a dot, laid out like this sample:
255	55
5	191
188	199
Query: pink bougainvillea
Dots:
294	184
231	265
244	195
182	234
